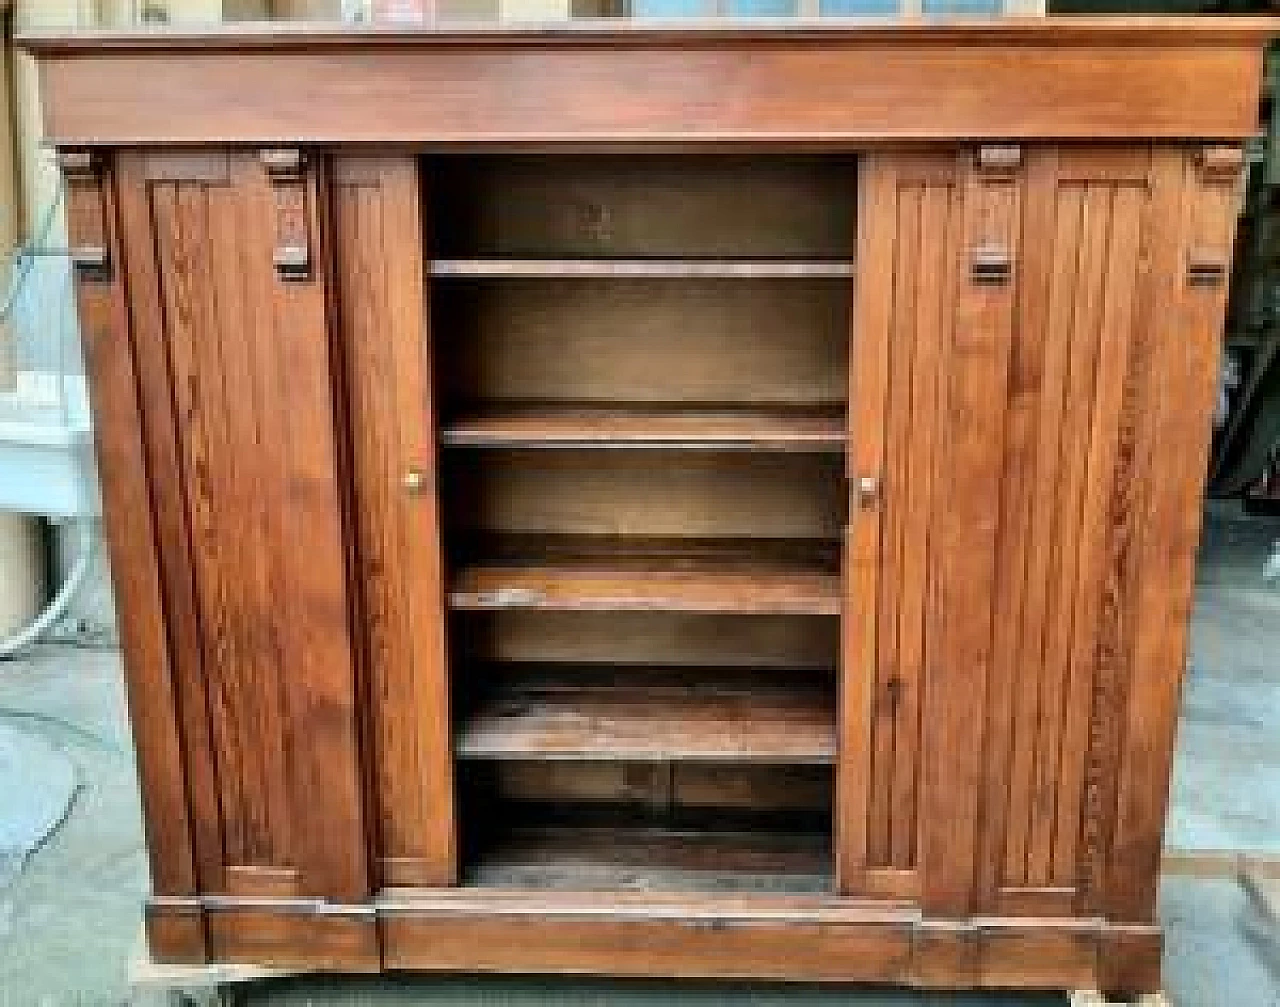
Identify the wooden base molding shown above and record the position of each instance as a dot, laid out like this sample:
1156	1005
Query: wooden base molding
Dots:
783	937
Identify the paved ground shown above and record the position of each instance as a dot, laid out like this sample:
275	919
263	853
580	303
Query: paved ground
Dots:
70	921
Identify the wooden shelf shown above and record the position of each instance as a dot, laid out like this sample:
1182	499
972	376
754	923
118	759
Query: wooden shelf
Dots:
649	859
585	573
638	428
495	268
652	715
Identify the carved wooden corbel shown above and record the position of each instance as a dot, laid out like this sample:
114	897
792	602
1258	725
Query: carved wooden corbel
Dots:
286	167
991	262
82	170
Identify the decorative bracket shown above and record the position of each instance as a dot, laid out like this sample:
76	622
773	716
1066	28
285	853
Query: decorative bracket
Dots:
82	169
991	264
1220	166
1221	162
998	160
286	168
1206	268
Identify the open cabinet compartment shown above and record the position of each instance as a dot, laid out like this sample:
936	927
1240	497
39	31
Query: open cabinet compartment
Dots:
641	376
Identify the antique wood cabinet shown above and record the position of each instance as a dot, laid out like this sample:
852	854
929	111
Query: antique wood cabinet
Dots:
700	501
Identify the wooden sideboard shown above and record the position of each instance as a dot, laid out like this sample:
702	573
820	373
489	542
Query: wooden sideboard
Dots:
698	501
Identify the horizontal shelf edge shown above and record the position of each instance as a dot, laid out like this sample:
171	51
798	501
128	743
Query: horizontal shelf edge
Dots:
767	729
745	269
647	430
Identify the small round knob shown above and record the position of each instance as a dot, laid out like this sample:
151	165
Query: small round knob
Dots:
414	480
868	491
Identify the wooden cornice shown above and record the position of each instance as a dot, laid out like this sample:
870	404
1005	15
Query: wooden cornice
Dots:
591	82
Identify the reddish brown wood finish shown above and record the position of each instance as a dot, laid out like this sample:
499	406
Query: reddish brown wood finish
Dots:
1077	78
386	349
1030	374
237	408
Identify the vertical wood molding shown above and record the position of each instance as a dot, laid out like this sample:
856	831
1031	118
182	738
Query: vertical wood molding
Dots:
387	351
868	380
159	424
321	689
1026	375
956	683
133	545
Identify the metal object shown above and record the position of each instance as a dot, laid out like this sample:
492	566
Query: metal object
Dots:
414	480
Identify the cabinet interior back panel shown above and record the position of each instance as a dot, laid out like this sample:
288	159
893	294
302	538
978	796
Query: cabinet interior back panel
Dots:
600	205
676	494
612	341
804	643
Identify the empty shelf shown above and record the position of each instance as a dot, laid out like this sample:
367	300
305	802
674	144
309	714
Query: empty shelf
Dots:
647	859
578	588
743	430
652	724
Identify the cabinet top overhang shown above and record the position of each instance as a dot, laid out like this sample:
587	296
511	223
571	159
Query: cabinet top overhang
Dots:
620	83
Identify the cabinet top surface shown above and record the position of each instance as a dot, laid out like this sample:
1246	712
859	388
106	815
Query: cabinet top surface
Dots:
1191	31
825	83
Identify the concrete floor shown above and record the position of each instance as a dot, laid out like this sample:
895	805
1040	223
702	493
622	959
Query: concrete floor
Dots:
70	921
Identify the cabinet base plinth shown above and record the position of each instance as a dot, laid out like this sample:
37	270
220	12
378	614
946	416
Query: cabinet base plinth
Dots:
804	938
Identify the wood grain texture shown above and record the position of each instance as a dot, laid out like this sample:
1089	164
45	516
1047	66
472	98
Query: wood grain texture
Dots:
690	934
924	289
151	678
701	586
387	353
868	379
174	543
242	451
650	718
955	692
656	860
573	514
1071	361
1059	79
1181	386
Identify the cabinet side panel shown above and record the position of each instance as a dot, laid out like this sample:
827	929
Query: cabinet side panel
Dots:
129	524
1197	192
387	356
164	472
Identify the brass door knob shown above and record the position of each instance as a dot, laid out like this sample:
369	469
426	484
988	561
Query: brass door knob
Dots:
414	480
